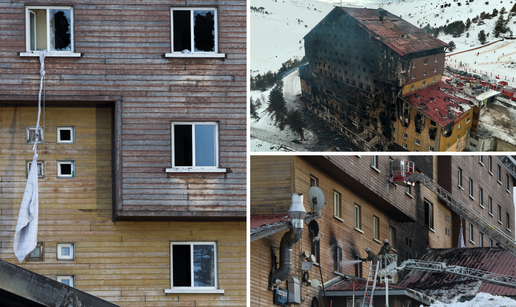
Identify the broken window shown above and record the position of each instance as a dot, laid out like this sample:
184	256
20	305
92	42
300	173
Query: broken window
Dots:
49	28
337	258
195	145
194	30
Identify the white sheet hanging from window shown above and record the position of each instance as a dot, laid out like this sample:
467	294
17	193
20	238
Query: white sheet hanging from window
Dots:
25	238
26	235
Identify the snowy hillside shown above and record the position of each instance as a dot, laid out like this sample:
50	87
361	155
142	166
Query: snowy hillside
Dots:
278	26
482	300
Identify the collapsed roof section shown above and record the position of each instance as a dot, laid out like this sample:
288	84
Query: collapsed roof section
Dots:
440	102
399	35
491	259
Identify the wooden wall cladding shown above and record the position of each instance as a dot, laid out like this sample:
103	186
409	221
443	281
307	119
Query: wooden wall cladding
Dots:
127	263
123	64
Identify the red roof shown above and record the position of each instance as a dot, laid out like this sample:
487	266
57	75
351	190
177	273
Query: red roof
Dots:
441	102
347	285
489	259
258	221
398	34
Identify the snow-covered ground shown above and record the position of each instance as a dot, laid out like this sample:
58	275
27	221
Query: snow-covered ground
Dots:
482	300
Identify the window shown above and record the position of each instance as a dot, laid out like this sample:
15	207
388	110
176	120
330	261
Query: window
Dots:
194	32
374	162
376	228
471	236
314	181
435	70
468	120
481	197
499	174
424	72
193	267
490	243
336	204
458	128
392	237
404	145
66	279
460	177
417	142
481	160
508	221
405	136
499	214
413	76
195	147
50	28
30	135
480	239
41	168
408	190
490	205
426	61
337	258
315	248
471	188
424	82
65	135
430	148
429	214
65	251
413	64
412	87
65	169
490	165
357	217
435	60
38	254
507	183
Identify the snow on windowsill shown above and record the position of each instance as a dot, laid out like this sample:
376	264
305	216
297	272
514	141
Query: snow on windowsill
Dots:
53	54
195	170
194	290
195	55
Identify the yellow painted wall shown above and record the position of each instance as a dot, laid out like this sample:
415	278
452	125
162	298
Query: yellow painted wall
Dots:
419	84
127	263
460	144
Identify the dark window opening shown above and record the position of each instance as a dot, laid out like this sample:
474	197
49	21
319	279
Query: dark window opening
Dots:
66	169
183	145
181	266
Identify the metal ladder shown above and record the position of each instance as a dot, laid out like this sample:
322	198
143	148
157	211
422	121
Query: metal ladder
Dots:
480	222
371	277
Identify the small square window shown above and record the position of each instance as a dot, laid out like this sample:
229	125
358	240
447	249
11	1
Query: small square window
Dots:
424	82
65	135
405	135
66	279
195	147
38	254
50	28
430	148
65	169
194	32
30	135
417	142
65	251
404	145
41	168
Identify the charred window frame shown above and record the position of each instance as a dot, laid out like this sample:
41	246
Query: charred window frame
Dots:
194	32
50	28
193	268
429	214
392	237
337	258
490	205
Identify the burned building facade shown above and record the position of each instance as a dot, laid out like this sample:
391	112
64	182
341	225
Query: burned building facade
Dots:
361	61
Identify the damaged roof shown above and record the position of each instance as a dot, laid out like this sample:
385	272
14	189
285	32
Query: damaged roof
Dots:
491	259
399	35
360	284
441	102
267	224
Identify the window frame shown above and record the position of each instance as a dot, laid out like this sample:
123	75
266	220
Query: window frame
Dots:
28	129
60	256
60	278
61	162
195	169
72	134
54	53
481	197
470	189
490	205
471	234
194	289
429	214
376	228
358	217
459	177
42	168
41	246
337	204
392	237
194	54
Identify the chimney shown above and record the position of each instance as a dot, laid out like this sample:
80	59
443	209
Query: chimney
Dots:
382	13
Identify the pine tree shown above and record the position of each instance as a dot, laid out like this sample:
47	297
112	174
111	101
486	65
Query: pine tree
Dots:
499	26
452	45
482	37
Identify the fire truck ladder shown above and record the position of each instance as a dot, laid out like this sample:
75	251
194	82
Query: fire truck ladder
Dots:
371	278
441	267
481	223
